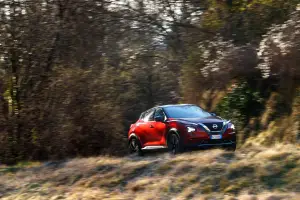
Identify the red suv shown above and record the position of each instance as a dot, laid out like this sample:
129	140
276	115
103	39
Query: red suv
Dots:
177	127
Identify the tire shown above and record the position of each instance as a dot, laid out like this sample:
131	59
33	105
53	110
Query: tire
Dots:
135	147
174	144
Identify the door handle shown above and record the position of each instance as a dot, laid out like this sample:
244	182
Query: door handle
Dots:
151	126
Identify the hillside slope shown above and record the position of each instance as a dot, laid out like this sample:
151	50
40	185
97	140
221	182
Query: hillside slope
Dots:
253	173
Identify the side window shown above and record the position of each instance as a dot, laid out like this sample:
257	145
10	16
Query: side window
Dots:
160	112
142	115
149	116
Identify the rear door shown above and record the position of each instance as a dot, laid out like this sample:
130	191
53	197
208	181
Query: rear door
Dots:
160	128
142	127
149	128
153	132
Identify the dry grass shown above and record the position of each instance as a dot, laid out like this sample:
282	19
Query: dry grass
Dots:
252	173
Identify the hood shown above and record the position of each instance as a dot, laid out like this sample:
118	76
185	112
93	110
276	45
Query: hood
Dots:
211	119
212	123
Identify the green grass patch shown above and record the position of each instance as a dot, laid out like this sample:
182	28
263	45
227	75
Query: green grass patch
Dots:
164	168
238	171
33	186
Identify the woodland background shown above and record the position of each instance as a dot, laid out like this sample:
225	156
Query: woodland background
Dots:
74	74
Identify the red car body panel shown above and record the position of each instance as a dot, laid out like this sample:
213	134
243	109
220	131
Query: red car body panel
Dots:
149	133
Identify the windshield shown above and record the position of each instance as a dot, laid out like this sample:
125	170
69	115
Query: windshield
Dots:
188	111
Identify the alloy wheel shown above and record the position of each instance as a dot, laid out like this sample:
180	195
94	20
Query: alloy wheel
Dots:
134	147
174	144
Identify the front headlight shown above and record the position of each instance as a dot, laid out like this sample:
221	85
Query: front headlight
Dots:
190	129
231	126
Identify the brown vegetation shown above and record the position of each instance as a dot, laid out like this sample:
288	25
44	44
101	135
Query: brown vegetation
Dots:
75	74
252	173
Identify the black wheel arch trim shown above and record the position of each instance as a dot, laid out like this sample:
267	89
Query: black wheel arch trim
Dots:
133	135
172	131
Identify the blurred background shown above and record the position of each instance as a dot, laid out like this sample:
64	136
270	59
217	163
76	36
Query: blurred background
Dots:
75	74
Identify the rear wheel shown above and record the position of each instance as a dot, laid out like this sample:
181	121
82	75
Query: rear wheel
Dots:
174	145
135	147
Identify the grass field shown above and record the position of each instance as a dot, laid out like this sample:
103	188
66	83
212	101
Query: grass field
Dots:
252	173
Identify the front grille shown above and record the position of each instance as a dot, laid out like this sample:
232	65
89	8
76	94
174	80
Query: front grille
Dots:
210	126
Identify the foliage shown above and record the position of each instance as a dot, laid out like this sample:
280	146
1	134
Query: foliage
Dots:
246	21
240	104
75	74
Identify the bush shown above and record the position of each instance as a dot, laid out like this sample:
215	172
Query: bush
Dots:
242	103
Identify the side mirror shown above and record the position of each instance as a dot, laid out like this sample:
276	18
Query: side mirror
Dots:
159	119
213	114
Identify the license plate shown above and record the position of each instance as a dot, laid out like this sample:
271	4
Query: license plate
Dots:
215	137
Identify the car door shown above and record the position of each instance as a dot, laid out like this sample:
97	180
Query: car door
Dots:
159	128
148	128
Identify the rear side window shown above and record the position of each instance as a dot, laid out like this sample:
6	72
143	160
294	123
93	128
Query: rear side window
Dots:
142	115
149	116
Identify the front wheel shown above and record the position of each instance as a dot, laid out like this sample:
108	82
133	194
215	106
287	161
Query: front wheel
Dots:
135	147
174	145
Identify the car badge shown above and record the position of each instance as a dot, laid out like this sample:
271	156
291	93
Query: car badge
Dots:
215	126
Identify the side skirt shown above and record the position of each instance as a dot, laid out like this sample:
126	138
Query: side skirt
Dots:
154	147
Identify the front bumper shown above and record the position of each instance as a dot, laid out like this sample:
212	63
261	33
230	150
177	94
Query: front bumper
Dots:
203	143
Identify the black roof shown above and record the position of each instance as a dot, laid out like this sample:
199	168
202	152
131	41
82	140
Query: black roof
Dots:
170	105
175	105
165	106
